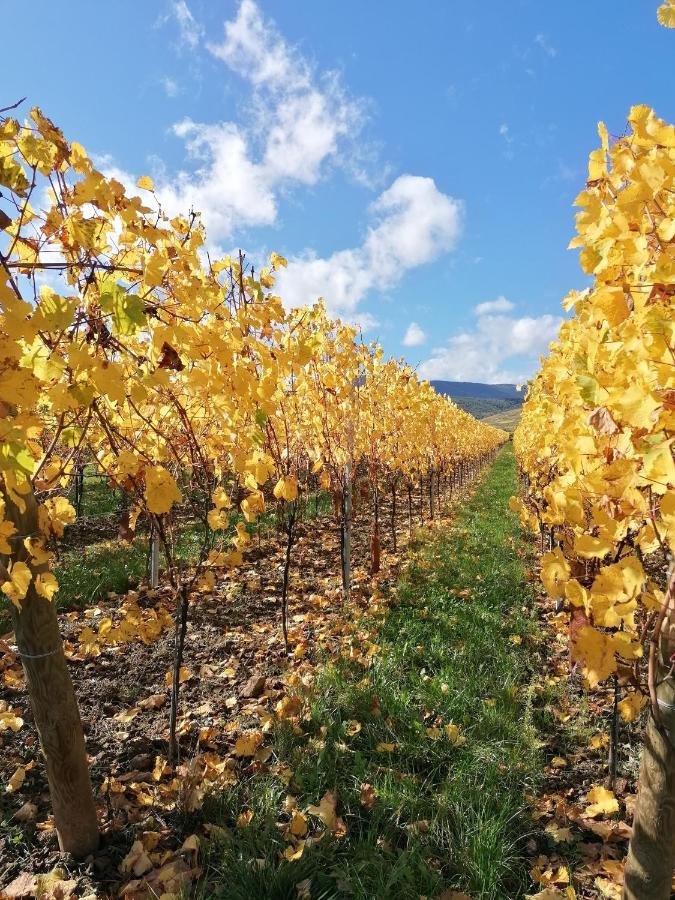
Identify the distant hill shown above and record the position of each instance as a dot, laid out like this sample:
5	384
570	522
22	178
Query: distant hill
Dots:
481	407
481	400
508	420
456	389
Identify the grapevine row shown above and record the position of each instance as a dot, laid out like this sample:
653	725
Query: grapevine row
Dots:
185	381
595	448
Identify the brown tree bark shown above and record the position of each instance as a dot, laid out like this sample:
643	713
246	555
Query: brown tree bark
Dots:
53	701
651	857
375	548
393	515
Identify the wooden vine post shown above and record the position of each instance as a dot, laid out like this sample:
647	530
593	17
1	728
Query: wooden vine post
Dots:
651	856
347	533
52	697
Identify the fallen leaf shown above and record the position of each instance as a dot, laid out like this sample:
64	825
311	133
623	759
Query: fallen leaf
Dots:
248	743
298	826
17	779
326	809
154	701
127	715
367	796
602	802
244	818
24	885
184	675
136	862
292	853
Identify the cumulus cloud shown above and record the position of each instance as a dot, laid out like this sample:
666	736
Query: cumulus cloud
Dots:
299	124
414	336
500	305
414	223
299	121
501	348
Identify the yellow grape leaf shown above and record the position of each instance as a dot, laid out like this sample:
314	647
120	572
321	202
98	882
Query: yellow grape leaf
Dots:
136	862
588	547
326	810
7	529
595	651
629	708
218	519
46	585
291	853
286	488
16	587
183	675
608	888
602	802
244	818
145	183
10	721
36	548
555	571
298	826
384	747
221	499
161	490
666	14
155	269
127	715
453	734
16	780
55	513
559	834
550	894
248	743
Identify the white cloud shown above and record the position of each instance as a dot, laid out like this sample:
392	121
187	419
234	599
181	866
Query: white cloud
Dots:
170	86
501	348
500	305
190	30
254	49
414	336
414	224
508	138
297	122
546	46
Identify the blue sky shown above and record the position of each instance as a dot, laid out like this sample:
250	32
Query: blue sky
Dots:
416	163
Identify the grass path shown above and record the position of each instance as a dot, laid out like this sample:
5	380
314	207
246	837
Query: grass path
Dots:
438	727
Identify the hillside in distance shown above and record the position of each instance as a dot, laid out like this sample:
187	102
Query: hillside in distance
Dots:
481	400
456	389
508	419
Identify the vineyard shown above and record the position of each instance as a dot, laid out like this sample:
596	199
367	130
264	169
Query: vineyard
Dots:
278	619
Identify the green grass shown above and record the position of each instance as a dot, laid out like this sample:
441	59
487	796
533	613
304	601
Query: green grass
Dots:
98	497
443	656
